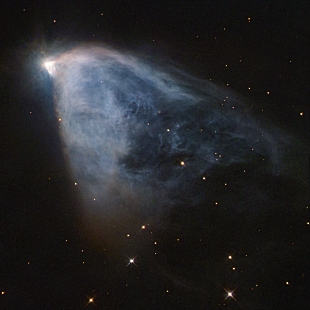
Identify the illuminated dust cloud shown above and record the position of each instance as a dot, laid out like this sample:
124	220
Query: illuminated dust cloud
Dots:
140	135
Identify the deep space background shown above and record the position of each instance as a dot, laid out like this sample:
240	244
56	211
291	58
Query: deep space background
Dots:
203	235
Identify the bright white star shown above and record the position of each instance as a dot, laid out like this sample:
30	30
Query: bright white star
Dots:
50	66
90	300
230	294
131	261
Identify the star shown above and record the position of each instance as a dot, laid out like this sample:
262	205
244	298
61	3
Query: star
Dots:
230	294
90	300
131	261
50	66
182	163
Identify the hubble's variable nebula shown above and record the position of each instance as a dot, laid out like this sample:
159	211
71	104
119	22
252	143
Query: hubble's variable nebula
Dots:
142	136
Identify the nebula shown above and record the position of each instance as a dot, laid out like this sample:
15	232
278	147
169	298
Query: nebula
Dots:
143	136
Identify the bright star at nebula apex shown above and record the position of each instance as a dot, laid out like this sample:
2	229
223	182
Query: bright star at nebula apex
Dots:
50	66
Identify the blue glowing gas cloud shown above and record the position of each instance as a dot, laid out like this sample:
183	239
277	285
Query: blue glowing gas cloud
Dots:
142	136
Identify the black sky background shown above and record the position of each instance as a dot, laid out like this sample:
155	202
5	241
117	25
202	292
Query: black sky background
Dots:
42	234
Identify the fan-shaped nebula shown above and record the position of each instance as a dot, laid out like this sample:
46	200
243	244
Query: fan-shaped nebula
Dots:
143	136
